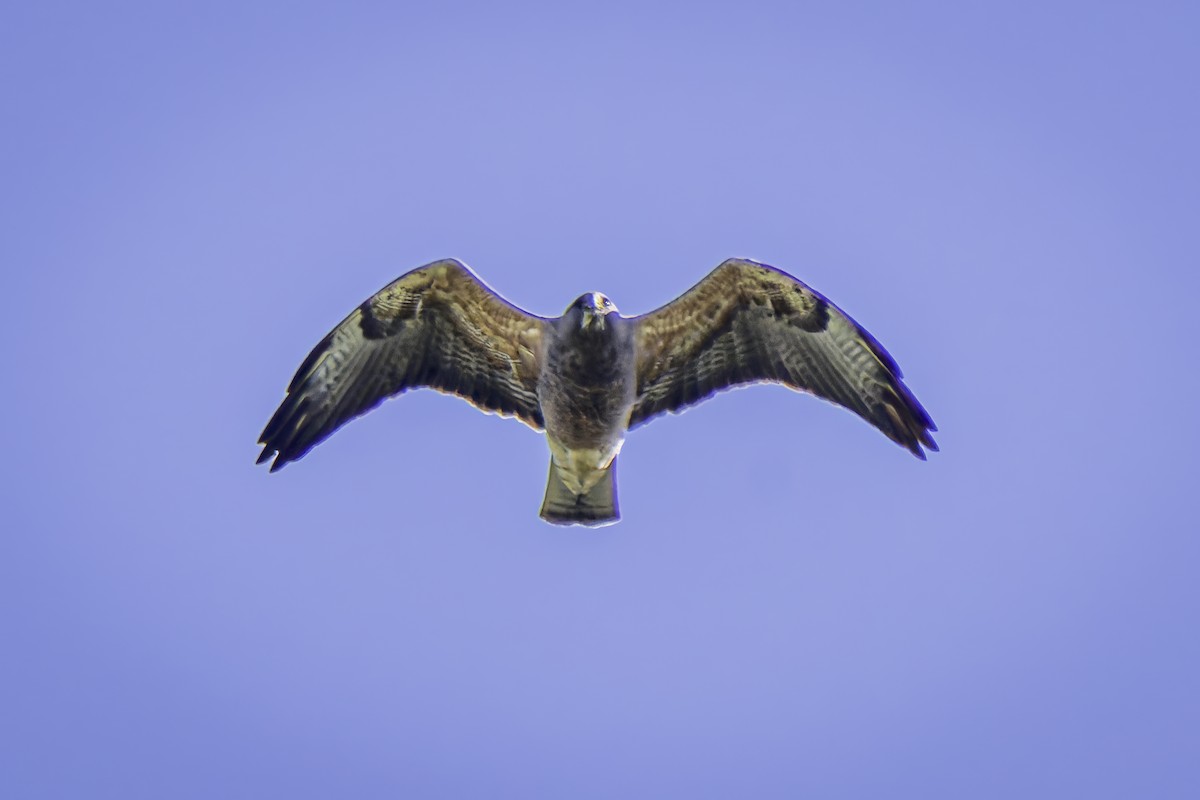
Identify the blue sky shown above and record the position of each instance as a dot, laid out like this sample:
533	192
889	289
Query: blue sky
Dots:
1004	194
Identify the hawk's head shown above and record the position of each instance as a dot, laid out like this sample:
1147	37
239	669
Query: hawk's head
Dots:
590	311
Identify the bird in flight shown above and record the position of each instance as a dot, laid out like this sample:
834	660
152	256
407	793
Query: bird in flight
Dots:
588	377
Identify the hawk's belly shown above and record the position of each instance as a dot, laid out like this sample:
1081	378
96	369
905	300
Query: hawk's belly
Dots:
585	428
586	395
585	432
587	417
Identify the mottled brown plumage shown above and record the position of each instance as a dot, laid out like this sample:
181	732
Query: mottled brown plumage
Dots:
437	326
590	375
747	322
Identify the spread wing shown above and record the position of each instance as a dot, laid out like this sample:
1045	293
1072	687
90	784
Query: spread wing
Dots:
747	322
437	326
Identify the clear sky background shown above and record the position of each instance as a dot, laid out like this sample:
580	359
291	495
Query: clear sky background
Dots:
1006	195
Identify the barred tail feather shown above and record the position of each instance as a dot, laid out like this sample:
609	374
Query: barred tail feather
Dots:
597	507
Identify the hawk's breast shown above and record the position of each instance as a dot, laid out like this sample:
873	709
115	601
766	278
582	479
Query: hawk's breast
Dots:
587	387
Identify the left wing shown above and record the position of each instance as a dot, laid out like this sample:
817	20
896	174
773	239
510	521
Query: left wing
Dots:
437	326
748	322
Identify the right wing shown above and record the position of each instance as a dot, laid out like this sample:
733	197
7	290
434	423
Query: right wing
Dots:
438	326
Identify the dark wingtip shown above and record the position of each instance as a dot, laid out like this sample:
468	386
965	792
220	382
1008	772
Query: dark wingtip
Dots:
266	455
916	440
923	438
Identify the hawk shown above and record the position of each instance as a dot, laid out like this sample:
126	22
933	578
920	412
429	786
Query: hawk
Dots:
590	376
